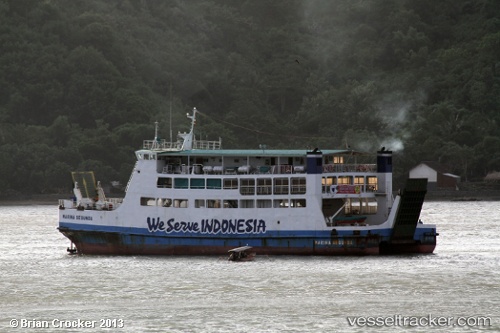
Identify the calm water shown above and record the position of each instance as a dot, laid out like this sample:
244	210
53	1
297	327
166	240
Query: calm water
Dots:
39	282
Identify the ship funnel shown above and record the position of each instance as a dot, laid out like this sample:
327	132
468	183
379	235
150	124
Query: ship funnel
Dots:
315	161
384	161
384	175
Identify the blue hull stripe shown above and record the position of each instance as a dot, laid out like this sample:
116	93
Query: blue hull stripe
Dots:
269	234
95	239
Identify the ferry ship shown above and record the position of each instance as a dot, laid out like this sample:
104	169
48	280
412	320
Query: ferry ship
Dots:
191	197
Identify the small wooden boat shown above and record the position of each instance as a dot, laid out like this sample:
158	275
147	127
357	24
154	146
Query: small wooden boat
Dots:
241	254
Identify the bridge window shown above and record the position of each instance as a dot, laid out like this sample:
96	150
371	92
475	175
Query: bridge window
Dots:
180	203
298	203
281	186
164	202
214	184
231	184
230	203
264	204
197	183
213	203
345	180
164	182
327	183
247	203
147	201
281	203
298	186
247	186
372	183
338	159
264	186
181	183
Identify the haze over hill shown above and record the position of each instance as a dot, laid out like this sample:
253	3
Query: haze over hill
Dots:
84	81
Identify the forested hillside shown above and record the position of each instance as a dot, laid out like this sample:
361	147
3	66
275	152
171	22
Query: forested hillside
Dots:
83	81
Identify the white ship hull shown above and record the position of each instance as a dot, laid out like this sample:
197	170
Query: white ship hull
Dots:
181	200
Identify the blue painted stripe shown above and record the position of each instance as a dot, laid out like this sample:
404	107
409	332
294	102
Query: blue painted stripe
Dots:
305	239
268	234
313	233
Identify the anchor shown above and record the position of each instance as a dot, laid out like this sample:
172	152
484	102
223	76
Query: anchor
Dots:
71	249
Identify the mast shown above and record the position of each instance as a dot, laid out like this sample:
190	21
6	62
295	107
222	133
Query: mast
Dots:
156	141
170	113
188	137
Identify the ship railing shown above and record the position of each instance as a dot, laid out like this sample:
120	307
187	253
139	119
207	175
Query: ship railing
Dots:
264	169
115	201
207	145
231	170
160	144
65	203
281	169
332	168
109	204
130	178
298	189
264	189
349	188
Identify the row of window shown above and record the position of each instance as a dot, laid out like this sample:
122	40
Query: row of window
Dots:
217	203
350	180
247	186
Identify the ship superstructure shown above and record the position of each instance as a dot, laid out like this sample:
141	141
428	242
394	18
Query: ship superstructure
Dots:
193	197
